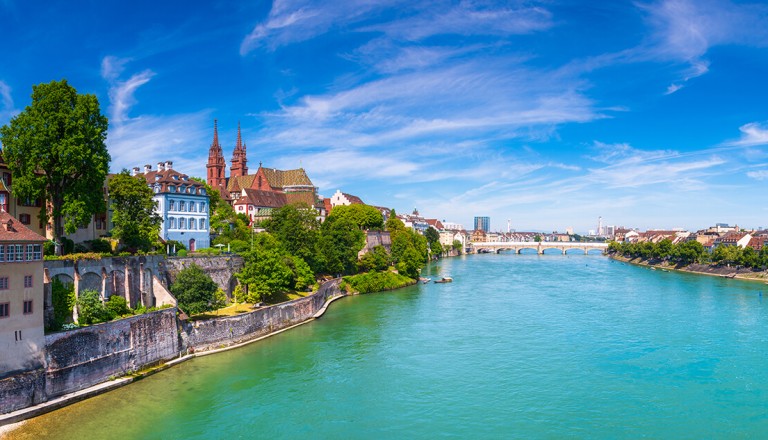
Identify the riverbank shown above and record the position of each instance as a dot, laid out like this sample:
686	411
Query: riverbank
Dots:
745	274
202	338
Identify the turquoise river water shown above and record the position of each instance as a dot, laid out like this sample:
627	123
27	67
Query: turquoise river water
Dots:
518	346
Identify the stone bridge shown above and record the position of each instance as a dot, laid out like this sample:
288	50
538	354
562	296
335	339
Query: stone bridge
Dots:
539	247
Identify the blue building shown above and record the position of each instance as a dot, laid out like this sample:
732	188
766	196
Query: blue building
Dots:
182	203
483	224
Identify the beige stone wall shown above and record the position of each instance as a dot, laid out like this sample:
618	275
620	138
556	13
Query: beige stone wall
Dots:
21	336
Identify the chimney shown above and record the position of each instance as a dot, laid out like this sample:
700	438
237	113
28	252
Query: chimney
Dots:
160	166
147	168
168	165
135	171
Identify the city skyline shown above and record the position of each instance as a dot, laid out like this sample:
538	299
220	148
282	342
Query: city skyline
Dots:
647	114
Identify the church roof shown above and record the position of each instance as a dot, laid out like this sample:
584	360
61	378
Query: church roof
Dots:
278	179
283	178
262	199
301	197
237	183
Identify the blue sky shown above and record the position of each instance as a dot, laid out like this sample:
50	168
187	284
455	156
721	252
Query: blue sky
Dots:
651	114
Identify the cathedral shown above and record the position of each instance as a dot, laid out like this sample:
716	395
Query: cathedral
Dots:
256	195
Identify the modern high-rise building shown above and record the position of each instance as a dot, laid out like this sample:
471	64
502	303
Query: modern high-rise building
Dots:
483	224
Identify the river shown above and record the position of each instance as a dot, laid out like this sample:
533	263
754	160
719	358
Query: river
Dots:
520	346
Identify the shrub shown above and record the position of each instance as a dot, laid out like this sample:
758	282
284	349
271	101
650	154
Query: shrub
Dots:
376	281
90	309
63	300
194	290
49	248
182	253
117	306
67	246
100	245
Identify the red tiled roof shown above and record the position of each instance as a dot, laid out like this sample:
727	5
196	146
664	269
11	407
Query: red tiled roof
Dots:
355	200
262	198
13	230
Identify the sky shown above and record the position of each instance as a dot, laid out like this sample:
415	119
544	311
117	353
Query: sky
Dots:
543	115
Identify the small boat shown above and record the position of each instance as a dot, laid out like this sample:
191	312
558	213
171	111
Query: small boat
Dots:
425	280
444	280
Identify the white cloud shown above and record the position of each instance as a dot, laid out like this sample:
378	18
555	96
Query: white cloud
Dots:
148	139
685	30
758	175
752	134
112	67
292	21
151	139
7	109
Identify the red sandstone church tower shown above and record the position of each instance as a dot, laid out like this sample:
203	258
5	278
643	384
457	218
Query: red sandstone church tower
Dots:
216	164
239	167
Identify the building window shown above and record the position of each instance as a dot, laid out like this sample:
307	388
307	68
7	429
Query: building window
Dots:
171	205
202	224
2	252
171	188
27	281
28	307
202	206
4	201
3	283
172	223
182	206
25	219
192	223
5	310
30	253
37	252
19	252
192	206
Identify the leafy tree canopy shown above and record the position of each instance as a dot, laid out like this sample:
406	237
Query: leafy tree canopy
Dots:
55	150
136	223
363	216
340	241
194	290
296	227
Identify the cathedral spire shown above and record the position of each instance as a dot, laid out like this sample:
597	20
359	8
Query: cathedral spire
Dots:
216	163
239	145
239	161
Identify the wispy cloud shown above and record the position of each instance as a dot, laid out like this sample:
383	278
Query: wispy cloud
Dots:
752	134
685	30
758	175
147	139
7	109
121	93
292	21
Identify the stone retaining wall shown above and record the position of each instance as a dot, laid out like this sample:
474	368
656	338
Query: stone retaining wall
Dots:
221	269
221	332
86	356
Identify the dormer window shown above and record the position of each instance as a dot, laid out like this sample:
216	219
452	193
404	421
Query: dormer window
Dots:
175	177
202	191
157	177
171	188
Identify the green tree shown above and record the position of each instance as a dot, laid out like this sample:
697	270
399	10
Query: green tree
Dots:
375	259
363	216
55	151
394	224
296	228
117	306
303	277
457	246
194	290
90	309
537	238
136	223
265	270
339	242
63	300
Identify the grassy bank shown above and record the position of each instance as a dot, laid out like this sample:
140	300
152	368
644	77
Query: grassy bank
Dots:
375	282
